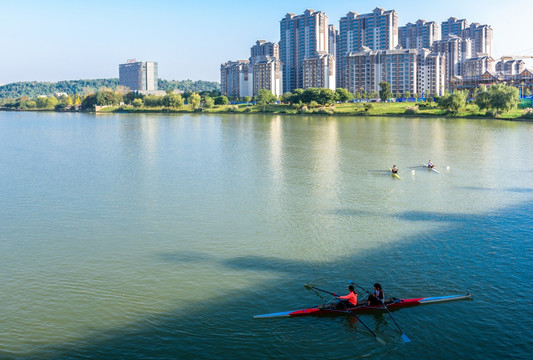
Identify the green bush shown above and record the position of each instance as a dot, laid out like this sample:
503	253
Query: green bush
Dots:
411	110
528	114
304	110
368	106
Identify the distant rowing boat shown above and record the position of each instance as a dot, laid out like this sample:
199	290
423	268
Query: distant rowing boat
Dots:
395	175
430	168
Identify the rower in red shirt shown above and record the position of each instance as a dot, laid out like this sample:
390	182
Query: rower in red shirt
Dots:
349	300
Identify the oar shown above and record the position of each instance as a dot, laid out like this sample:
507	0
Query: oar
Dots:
309	287
404	337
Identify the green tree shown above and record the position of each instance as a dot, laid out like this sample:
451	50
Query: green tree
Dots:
265	97
221	100
89	102
326	96
194	100
297	96
153	101
406	94
41	102
503	98
137	103
483	100
173	100
51	102
343	95
209	102
454	102
384	92
247	99
287	97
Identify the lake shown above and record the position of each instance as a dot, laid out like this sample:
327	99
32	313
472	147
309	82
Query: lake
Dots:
153	236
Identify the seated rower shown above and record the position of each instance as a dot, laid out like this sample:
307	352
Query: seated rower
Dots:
349	300
430	164
377	297
394	169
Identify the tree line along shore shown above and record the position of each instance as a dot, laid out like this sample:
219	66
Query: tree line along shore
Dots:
497	101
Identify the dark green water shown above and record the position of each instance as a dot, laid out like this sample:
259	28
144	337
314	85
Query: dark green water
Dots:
159	237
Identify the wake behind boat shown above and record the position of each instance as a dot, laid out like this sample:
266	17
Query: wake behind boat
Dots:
362	308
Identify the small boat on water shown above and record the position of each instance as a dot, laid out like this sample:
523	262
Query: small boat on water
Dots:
430	168
395	175
363	308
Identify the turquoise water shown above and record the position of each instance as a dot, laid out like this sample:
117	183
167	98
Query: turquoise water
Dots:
154	236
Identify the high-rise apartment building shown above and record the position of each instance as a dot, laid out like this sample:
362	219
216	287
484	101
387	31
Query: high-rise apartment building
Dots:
319	71
301	37
367	68
138	75
431	71
236	79
267	68
263	49
455	51
333	35
453	26
377	30
419	35
481	36
510	67
477	66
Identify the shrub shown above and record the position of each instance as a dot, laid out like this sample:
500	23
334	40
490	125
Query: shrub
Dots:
248	109
304	110
313	104
368	106
528	114
411	110
232	108
492	113
326	110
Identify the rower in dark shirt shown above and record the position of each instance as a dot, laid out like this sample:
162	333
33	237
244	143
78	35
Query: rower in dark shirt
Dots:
377	297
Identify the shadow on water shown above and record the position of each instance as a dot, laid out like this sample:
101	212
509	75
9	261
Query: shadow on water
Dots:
458	255
515	190
352	212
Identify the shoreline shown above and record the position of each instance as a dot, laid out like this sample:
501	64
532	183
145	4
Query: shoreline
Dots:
224	110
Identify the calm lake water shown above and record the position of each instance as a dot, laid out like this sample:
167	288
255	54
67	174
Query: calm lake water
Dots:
159	237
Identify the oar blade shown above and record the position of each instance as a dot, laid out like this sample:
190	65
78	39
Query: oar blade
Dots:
405	338
380	340
307	286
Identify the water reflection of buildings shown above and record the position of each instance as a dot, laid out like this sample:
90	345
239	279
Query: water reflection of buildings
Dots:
326	161
276	151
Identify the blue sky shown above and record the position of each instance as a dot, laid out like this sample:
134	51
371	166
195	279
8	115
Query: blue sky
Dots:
65	40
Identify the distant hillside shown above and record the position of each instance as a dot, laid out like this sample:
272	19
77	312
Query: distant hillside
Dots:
33	89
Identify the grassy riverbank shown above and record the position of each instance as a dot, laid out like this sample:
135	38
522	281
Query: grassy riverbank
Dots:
346	109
